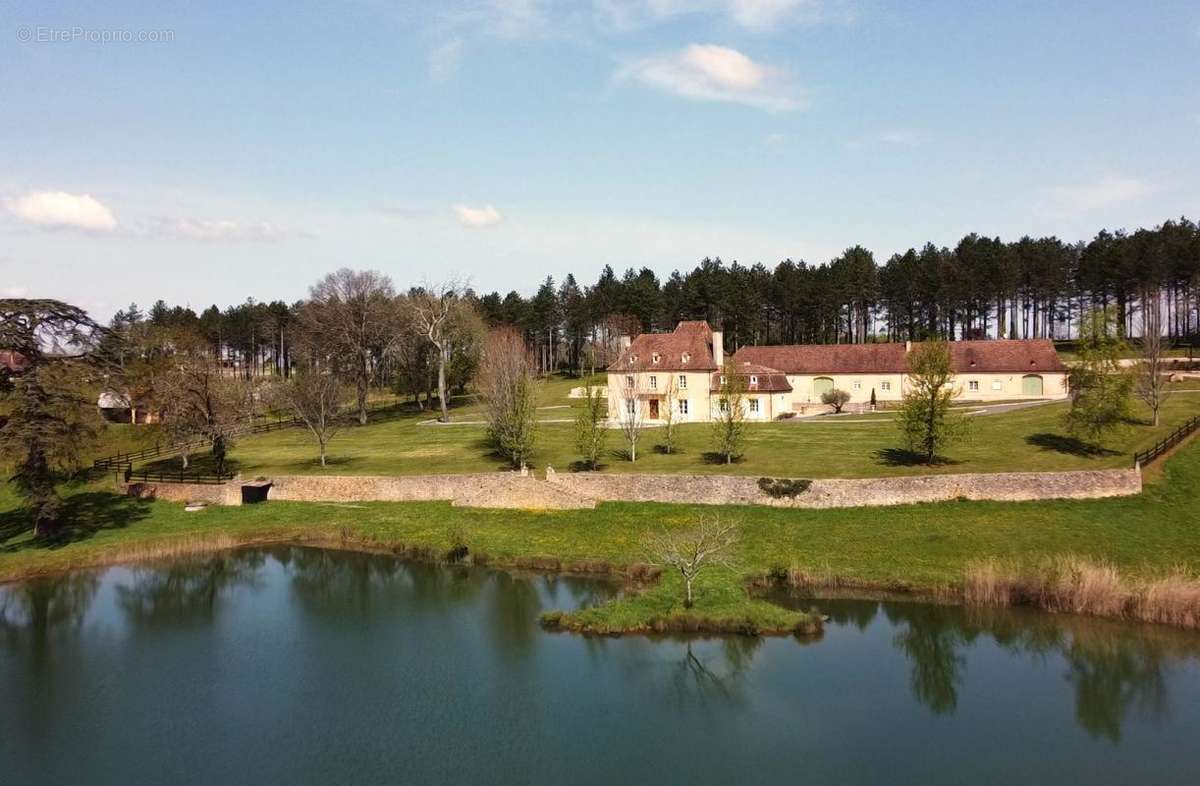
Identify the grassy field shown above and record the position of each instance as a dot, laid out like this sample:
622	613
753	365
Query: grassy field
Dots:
926	546
406	441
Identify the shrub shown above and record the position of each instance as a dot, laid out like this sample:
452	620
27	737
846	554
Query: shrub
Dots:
778	488
836	399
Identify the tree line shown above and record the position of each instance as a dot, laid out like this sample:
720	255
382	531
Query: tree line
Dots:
983	287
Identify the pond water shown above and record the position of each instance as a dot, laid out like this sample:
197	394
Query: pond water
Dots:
298	666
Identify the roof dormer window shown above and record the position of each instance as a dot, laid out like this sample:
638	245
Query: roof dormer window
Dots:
655	358
753	380
632	359
685	357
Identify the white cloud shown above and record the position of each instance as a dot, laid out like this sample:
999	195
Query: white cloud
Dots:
519	18
445	60
756	15
477	217
763	14
59	209
708	72
1105	192
14	292
215	231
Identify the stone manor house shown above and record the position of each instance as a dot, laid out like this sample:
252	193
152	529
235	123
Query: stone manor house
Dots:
683	370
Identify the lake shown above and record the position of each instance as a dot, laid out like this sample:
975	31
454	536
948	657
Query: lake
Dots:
299	665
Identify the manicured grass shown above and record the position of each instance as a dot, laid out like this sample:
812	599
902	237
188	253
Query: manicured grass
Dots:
405	441
917	546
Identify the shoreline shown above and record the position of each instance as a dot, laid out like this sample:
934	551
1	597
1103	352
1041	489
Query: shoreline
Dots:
651	608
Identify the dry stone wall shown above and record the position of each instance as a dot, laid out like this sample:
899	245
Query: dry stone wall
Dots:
843	493
480	490
584	489
210	493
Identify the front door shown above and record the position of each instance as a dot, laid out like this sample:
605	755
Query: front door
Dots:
654	409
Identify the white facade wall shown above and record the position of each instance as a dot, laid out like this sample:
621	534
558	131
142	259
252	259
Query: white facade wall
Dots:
805	396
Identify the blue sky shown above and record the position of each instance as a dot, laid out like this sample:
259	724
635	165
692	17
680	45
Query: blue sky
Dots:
246	149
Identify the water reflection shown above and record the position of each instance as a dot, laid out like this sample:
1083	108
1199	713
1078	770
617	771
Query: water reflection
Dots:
33	610
187	592
1115	670
1116	673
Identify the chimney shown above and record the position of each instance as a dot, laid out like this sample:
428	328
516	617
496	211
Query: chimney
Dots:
907	347
718	348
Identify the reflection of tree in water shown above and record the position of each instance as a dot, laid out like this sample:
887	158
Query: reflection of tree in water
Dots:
513	607
337	582
859	613
188	591
584	592
709	680
1113	668
31	610
931	639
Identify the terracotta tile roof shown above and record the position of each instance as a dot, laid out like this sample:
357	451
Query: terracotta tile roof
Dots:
828	358
1025	356
690	339
767	380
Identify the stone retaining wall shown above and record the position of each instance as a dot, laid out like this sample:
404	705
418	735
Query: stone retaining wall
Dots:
843	493
211	493
584	489
479	490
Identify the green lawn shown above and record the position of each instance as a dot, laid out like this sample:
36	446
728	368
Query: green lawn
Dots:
405	441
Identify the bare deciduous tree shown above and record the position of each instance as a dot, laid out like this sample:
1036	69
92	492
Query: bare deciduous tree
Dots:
433	309
350	322
688	551
509	390
1152	377
197	400
318	399
630	415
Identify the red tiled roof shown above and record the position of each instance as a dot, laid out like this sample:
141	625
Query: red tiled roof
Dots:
768	380
1025	356
828	358
691	338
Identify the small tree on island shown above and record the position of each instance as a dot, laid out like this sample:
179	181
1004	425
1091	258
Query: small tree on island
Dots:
1100	387
690	550
729	423
590	428
509	393
318	399
926	421
837	399
630	416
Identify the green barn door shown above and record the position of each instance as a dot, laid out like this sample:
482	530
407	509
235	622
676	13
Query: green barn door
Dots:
822	385
1031	385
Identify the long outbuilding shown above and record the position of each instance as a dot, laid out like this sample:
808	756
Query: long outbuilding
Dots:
683	370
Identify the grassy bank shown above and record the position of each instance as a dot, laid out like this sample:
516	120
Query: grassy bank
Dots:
926	547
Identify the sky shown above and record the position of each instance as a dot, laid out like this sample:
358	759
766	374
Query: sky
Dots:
207	152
